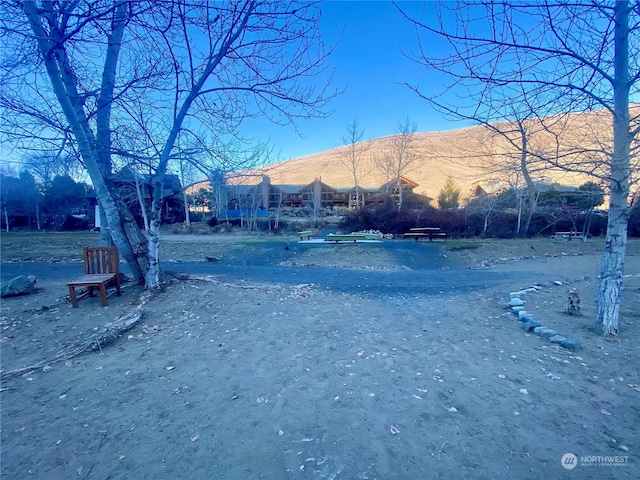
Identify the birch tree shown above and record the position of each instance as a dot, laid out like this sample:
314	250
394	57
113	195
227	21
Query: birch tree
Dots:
175	70
562	57
353	156
399	157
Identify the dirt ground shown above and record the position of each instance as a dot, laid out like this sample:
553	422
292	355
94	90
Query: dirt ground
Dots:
265	380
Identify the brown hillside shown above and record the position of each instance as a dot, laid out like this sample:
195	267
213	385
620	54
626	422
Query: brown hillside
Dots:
470	155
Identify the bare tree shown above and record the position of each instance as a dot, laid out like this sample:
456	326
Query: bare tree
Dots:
141	201
312	199
279	197
509	152
561	57
400	157
168	70
187	176
352	155
486	207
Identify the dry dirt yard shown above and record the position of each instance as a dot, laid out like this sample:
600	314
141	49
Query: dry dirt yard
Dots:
244	380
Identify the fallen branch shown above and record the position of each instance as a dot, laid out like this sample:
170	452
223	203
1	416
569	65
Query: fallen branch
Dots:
108	334
243	286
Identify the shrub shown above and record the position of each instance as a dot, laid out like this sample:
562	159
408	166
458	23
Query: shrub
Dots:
75	223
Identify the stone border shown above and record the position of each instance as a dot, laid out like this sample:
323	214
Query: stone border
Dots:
530	324
503	260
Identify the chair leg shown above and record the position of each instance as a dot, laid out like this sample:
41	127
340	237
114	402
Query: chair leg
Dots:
72	296
103	294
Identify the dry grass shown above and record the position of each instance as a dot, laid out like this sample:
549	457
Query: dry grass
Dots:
67	247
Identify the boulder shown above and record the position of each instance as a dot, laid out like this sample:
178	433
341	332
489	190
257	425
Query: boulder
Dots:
548	333
530	325
571	344
21	285
516	302
557	339
523	315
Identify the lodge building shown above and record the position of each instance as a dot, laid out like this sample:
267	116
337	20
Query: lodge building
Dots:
317	194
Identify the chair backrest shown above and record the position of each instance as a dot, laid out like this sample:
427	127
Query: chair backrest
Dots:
100	260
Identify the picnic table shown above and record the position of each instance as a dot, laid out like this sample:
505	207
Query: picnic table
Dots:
305	233
566	235
425	232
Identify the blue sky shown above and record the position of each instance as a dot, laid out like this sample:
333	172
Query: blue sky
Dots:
369	63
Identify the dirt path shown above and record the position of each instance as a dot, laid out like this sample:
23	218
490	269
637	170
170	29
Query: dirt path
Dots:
263	380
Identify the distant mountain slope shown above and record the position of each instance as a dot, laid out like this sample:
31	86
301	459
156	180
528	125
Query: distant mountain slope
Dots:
469	155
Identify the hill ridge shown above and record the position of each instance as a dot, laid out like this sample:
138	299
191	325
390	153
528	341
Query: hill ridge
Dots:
469	155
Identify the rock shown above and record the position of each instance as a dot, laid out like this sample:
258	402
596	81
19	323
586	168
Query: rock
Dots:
538	329
571	344
548	333
557	339
516	302
522	314
558	283
21	285
517	310
530	325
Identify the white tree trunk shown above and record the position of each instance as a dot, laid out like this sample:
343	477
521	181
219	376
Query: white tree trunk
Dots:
187	218
153	250
610	284
38	215
143	208
64	85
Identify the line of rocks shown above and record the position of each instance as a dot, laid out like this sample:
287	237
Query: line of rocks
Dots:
503	260
529	322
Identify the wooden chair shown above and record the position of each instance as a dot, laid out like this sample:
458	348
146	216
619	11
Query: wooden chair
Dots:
100	269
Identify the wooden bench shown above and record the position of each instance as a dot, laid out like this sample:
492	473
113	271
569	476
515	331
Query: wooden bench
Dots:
347	237
100	269
305	233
